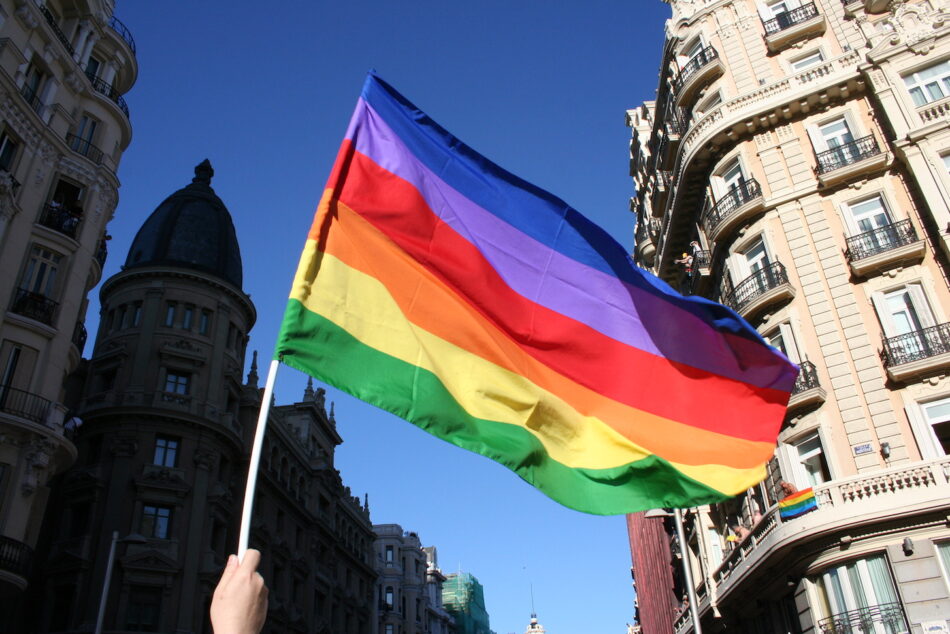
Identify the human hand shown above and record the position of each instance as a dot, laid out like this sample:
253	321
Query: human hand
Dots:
239	605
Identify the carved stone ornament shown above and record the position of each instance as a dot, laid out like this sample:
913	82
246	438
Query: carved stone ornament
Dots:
913	25
205	458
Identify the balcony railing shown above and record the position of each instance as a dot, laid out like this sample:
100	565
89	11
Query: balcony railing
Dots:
79	336
23	404
102	252
103	88
695	63
789	19
116	25
58	31
917	345
807	378
84	147
15	557
701	259
759	283
743	192
865	620
847	154
34	306
57	218
882	239
32	99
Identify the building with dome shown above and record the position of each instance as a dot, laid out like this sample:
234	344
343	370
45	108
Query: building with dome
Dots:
64	126
163	452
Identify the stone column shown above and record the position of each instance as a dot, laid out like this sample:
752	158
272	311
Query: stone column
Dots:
195	532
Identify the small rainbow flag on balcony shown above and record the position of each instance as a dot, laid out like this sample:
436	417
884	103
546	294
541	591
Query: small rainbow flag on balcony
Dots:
797	504
439	287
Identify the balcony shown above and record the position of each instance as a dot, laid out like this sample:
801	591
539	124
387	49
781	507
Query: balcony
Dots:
23	404
767	286
791	26
739	204
885	247
920	488
58	219
807	391
704	66
917	353
102	252
34	306
16	559
889	615
79	336
116	25
56	30
108	91
32	99
85	148
859	157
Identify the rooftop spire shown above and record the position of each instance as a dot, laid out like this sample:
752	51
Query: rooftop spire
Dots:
308	391
252	375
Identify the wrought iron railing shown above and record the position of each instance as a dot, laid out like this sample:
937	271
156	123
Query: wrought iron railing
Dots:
759	283
790	18
106	89
847	154
664	179
79	336
696	62
743	192
15	557
917	345
102	252
116	25
807	377
34	306
59	219
84	147
675	124
23	404
701	259
864	620
864	245
58	31
32	99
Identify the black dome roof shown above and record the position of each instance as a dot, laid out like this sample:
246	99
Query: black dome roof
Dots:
191	229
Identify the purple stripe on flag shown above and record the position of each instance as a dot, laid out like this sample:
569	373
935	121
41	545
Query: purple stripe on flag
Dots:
548	277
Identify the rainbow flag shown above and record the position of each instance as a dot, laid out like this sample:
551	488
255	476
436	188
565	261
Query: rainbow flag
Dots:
439	287
797	504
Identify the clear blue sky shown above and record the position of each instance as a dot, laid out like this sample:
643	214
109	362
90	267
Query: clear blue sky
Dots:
265	92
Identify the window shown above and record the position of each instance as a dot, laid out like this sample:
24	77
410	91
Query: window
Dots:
929	84
780	7
783	339
144	609
389	597
389	554
187	317
835	133
811	465
937	417
863	585
177	383
41	269
32	84
204	322
92	67
389	628
85	134
166	451
170	314
868	215
156	521
807	61
8	148
943	550
136	314
903	311
121	317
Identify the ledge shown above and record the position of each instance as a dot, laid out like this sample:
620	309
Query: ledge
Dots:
906	254
850	172
781	39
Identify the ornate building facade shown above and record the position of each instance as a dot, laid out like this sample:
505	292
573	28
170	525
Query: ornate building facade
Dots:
64	125
794	166
163	451
409	587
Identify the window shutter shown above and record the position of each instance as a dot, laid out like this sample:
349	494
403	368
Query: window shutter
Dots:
921	306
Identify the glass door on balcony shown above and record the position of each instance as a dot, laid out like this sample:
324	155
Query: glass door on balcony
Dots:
812	467
834	144
905	317
937	415
859	596
871	220
85	132
755	266
40	274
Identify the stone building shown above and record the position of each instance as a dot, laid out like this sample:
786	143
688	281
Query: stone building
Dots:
794	166
64	125
409	586
164	448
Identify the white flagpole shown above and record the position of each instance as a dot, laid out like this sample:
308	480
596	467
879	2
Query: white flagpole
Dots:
252	468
